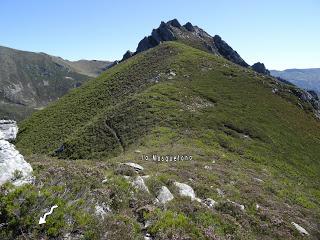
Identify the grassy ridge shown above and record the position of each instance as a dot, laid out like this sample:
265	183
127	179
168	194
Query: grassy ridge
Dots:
176	99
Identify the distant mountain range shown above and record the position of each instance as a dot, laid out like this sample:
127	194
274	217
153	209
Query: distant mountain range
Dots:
29	81
305	78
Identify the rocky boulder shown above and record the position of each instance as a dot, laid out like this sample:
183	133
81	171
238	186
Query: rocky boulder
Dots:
260	68
164	195
185	190
134	166
138	183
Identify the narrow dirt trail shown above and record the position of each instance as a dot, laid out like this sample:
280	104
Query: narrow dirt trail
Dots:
116	135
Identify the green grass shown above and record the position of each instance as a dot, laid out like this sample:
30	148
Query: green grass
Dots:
211	109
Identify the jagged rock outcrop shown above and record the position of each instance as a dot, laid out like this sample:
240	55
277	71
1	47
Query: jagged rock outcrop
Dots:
308	96
192	35
227	52
260	68
127	55
313	94
189	27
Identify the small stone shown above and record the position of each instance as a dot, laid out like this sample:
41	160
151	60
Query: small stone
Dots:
300	229
210	202
135	166
172	73
138	183
147	224
147	237
220	192
237	204
257	179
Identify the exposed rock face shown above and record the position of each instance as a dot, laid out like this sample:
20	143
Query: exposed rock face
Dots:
192	35
314	95
13	167
189	27
8	130
308	96
162	33
164	195
260	68
127	55
227	52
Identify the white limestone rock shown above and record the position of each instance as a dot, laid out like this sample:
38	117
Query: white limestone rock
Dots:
164	195
185	190
139	183
8	130
135	166
300	229
13	167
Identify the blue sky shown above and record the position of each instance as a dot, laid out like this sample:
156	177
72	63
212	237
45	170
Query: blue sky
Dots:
282	34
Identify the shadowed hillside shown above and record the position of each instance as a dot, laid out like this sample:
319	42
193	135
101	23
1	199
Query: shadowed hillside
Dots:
29	81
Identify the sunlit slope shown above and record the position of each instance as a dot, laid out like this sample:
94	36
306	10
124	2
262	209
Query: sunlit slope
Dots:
187	90
175	99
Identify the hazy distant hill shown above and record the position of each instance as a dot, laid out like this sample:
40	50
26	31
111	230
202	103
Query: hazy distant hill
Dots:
305	78
90	68
30	80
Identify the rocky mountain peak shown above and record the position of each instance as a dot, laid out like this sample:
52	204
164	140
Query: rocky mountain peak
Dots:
174	23
189	27
191	35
